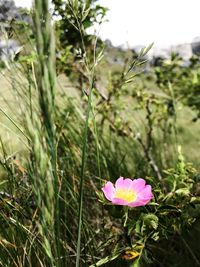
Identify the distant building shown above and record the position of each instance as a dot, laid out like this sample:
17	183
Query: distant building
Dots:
196	45
184	50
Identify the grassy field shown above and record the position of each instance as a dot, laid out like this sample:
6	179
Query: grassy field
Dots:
187	130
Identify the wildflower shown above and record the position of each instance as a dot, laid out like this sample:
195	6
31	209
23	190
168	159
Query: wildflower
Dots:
130	255
128	192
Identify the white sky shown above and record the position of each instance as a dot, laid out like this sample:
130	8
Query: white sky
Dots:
23	3
141	22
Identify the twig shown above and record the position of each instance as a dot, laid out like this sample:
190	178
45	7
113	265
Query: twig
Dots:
150	158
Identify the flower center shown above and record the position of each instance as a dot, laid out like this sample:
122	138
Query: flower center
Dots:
126	194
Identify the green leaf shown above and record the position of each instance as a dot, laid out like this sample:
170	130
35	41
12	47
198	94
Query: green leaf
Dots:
106	260
183	192
151	220
195	200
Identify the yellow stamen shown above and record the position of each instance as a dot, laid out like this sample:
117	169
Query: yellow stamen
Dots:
126	194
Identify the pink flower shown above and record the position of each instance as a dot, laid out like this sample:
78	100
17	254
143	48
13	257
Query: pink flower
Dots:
128	192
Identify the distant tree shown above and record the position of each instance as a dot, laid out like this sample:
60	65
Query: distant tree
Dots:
184	80
90	13
69	38
10	16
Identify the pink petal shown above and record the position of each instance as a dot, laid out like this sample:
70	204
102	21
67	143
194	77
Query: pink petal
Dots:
146	193
139	202
143	191
119	201
122	183
143	197
109	191
138	184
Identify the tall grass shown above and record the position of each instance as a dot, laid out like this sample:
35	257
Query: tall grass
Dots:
54	204
43	134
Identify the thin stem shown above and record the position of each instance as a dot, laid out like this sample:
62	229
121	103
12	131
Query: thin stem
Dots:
126	216
14	123
78	248
97	145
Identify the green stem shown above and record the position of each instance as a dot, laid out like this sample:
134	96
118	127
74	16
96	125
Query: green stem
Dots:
97	145
78	248
126	216
14	123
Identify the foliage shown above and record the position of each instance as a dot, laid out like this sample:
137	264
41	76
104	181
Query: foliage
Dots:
165	218
15	32
73	41
12	17
183	79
